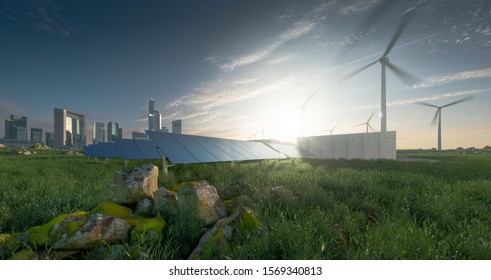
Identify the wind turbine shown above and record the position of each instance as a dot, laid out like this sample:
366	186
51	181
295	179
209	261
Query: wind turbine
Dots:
302	109
438	115
384	62
367	123
332	129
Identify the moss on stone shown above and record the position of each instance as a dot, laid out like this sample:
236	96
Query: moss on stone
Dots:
248	221
143	226
112	209
39	235
26	254
215	247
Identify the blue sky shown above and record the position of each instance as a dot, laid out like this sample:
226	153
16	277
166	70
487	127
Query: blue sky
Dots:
241	69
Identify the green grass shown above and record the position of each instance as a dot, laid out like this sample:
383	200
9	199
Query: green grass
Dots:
344	209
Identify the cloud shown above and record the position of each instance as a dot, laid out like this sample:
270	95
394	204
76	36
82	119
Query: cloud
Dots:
282	58
453	77
205	103
357	7
298	29
42	15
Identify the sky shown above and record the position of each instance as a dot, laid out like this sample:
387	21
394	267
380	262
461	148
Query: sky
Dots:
243	69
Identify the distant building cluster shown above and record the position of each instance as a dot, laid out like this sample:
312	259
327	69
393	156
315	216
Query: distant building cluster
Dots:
69	130
16	132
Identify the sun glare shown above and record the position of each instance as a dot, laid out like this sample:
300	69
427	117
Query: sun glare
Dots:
288	125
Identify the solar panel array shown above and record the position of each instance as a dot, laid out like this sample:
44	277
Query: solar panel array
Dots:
182	149
124	148
291	151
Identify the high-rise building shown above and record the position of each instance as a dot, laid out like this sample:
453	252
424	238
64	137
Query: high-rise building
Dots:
37	135
16	128
69	129
113	131
154	119
98	132
48	137
177	126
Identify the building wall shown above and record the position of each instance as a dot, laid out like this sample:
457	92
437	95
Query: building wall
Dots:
375	145
98	132
177	126
37	135
71	134
12	125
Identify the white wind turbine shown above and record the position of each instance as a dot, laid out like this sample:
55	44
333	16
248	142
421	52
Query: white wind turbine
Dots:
438	115
367	123
302	109
384	62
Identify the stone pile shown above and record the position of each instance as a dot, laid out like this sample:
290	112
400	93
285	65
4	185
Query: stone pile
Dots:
141	210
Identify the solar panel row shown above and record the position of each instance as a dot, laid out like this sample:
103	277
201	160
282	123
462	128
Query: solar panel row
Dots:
181	149
291	151
124	148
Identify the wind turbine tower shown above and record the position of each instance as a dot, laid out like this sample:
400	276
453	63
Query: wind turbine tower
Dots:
384	62
302	109
367	123
438	115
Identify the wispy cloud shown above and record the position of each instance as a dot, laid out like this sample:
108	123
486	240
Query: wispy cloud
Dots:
43	15
281	58
357	7
453	77
205	103
298	29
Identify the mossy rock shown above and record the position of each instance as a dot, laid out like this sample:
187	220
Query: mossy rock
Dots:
112	209
216	247
240	201
26	254
176	187
39	235
10	243
144	227
247	219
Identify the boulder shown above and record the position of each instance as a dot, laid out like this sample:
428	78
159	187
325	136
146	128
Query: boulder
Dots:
282	195
241	187
240	201
144	207
201	199
112	209
75	233
134	185
2	146
165	202
147	228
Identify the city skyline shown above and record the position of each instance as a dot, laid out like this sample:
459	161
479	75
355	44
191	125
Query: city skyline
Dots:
243	69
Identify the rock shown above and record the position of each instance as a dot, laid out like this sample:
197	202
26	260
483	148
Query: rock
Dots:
241	187
144	207
39	235
241	201
112	209
135	185
248	220
165	202
78	233
2	146
26	254
10	243
213	242
145	228
203	200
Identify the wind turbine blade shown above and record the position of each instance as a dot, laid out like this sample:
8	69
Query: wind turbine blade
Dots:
407	78
459	101
354	73
360	124
406	18
308	99
371	128
371	116
433	122
427	104
334	128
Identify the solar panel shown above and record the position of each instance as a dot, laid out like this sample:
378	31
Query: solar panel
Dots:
107	150
127	149
88	151
210	145
147	149
291	151
171	147
181	148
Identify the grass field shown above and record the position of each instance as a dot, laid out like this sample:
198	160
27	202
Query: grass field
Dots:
344	209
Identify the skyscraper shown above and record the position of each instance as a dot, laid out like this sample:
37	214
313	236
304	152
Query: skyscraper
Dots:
154	119
177	126
16	128
113	131
98	132
69	129
37	135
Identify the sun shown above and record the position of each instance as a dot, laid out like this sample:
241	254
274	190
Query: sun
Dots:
288	125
